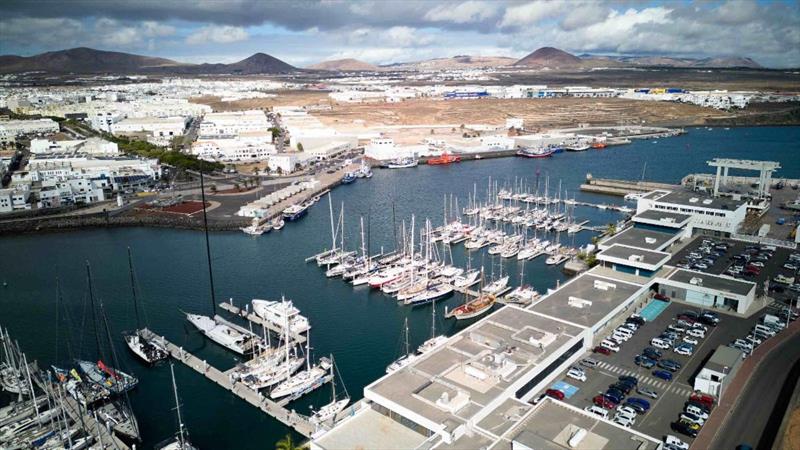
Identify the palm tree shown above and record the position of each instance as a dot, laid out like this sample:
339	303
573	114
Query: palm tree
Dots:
287	443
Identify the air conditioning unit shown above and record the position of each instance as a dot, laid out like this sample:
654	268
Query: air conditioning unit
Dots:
707	201
604	285
650	240
694	200
696	281
576	302
635	258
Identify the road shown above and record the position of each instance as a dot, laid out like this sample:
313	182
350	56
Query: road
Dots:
749	418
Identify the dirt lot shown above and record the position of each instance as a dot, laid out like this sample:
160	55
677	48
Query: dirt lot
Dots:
791	438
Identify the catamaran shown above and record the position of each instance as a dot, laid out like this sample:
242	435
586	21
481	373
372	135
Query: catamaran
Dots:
280	312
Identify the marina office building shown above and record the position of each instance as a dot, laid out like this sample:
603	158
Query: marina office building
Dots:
473	391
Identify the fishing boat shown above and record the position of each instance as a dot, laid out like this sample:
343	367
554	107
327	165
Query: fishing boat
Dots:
578	147
336	405
406	358
295	212
278	224
181	440
348	178
280	312
535	152
445	158
598	145
148	351
402	163
256	228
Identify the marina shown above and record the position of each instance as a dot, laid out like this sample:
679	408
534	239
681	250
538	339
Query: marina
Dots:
243	267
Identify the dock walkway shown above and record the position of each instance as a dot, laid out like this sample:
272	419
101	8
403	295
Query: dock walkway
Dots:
256	319
276	410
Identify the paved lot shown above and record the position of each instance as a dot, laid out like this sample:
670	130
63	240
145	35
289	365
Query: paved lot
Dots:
771	268
672	394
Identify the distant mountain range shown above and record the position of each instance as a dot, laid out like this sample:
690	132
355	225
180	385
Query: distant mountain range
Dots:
86	60
344	65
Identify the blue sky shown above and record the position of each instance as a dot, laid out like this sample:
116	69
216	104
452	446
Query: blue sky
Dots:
303	32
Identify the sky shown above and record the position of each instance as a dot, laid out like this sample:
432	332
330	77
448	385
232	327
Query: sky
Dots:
304	32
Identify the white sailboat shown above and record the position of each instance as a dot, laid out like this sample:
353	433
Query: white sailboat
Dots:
149	351
221	333
303	381
181	441
336	405
435	340
407	358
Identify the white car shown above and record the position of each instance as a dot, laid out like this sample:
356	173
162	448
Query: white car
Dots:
624	421
655	342
620	337
609	345
690	340
696	332
689	417
577	374
626	411
675	442
596	410
682	351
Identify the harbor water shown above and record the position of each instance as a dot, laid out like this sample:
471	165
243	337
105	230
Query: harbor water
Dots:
359	326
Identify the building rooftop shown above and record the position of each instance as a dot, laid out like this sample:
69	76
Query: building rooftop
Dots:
663	218
552	425
695	199
370	429
641	238
450	385
720	283
633	256
586	300
723	359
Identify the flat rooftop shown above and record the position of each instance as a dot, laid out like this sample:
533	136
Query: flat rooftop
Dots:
586	300
370	429
723	359
640	238
634	256
454	382
664	218
688	198
720	283
551	425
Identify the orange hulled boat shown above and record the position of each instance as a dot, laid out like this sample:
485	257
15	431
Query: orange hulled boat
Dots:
446	158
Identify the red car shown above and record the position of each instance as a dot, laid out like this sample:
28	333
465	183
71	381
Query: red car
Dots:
661	297
604	402
602	350
554	393
704	399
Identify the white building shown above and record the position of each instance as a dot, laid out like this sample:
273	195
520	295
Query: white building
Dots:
158	128
256	147
92	146
233	123
330	150
14	199
384	149
11	129
720	369
721	216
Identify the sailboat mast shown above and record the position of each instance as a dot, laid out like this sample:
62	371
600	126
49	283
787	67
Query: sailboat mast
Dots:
181	437
408	351
94	313
133	290
208	246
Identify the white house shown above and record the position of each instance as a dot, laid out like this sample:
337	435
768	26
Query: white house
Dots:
233	123
238	148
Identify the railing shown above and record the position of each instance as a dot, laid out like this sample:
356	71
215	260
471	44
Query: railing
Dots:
765	241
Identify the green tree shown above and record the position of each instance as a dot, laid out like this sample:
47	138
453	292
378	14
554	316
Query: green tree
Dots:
299	147
611	229
287	443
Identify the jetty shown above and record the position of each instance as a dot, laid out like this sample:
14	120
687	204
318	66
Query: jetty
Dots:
621	187
256	319
277	410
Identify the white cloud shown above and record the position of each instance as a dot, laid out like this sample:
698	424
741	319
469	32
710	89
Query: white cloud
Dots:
406	37
217	34
466	12
584	14
532	12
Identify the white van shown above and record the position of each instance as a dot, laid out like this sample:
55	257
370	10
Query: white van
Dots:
625	331
763	329
620	337
658	343
594	409
609	345
696	411
696	332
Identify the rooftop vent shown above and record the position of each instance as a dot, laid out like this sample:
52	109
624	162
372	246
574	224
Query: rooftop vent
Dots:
650	240
696	281
667	219
580	303
694	200
707	201
635	258
604	285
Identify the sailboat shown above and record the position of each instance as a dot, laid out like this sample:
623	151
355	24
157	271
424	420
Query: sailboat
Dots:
304	381
148	351
336	406
181	440
407	358
498	285
472	308
223	333
435	340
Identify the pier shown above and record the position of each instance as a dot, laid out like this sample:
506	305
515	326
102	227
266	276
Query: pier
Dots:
254	318
622	187
277	410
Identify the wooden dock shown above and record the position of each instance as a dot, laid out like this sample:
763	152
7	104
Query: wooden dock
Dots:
254	318
276	410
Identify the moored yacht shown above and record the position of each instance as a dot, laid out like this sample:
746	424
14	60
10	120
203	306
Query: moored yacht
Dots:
222	333
280	312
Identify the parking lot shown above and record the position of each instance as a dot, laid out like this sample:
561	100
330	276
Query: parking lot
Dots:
772	266
671	394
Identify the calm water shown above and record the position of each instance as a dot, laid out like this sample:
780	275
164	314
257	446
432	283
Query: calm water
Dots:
359	327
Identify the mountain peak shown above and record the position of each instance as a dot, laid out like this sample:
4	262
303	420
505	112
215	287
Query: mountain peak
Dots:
549	57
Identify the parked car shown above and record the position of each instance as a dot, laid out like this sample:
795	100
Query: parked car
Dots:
602	350
652	353
604	402
638	401
629	379
690	340
644	361
659	343
684	349
663	374
577	373
622	387
626	411
669	364
647	392
614	395
689	417
596	410
555	393
704	399
589	362
623	421
698	411
609	345
684	428
695	404
696	332
675	442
